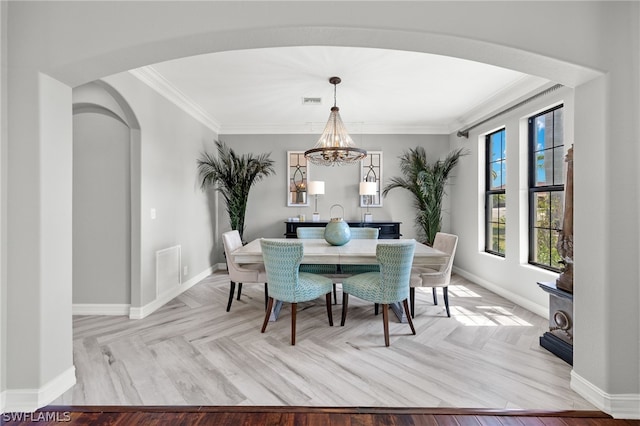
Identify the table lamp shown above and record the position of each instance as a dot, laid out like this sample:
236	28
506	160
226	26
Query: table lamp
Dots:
368	189
315	187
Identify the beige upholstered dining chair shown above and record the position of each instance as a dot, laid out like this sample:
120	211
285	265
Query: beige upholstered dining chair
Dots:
241	273
426	277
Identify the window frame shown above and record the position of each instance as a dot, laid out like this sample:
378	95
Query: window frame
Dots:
534	190
488	192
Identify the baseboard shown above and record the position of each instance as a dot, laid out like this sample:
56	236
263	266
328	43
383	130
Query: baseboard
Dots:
619	406
100	309
161	300
543	311
29	400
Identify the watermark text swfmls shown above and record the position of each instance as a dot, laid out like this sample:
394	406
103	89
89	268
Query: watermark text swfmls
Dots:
37	416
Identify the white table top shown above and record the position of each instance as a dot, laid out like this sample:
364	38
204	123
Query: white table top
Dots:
356	251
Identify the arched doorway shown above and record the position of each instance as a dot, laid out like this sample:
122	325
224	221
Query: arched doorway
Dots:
105	133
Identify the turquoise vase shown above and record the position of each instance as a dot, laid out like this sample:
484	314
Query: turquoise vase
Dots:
337	231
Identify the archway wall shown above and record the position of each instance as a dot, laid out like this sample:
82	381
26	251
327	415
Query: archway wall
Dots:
503	34
75	43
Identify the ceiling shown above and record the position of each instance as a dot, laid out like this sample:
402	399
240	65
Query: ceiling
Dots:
382	91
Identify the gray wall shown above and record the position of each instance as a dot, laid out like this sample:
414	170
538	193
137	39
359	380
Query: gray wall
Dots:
155	145
267	208
170	142
3	215
101	209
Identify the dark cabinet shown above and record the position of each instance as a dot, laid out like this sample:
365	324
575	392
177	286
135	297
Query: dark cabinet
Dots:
388	230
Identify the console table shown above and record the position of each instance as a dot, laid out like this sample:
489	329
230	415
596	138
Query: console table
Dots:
388	230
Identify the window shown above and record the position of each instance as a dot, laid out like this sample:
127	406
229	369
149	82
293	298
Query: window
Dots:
546	187
495	195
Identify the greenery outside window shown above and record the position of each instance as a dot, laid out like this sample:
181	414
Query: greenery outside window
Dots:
495	192
546	187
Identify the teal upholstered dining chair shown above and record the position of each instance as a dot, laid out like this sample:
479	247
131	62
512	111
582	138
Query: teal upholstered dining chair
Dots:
286	282
389	285
310	232
361	234
330	271
364	233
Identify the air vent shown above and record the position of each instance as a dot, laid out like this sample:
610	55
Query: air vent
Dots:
311	101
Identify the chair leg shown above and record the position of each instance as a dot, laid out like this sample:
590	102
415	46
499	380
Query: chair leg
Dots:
385	320
335	294
435	295
412	298
267	315
345	303
294	309
232	290
329	310
445	292
409	320
376	308
266	296
239	290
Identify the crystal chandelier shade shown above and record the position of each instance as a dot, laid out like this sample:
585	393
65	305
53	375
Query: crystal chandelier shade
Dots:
335	146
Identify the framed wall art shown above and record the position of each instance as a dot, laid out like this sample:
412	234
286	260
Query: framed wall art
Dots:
371	171
297	179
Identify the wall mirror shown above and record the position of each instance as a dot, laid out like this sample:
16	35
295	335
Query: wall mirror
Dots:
371	171
297	177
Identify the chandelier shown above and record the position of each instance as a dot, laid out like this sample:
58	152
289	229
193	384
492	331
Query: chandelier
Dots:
335	146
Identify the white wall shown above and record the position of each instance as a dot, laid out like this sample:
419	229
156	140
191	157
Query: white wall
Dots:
511	276
592	46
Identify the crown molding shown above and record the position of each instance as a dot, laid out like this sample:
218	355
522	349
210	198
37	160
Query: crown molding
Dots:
502	99
152	78
316	128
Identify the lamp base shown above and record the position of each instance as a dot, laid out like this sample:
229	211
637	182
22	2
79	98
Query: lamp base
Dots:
315	217
368	217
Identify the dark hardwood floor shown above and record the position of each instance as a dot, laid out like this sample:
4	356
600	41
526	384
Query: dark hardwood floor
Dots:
310	416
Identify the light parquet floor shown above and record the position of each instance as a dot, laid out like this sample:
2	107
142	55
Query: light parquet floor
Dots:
193	352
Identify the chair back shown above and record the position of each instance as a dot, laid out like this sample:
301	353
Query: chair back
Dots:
316	232
231	241
282	260
446	243
364	233
395	269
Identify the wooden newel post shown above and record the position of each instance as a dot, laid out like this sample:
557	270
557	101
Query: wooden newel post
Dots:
565	242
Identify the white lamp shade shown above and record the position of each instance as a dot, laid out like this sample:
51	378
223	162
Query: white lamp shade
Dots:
368	188
315	187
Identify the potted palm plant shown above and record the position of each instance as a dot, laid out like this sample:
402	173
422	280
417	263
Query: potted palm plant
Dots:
426	181
233	176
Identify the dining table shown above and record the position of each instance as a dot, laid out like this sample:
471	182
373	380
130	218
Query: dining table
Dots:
354	252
